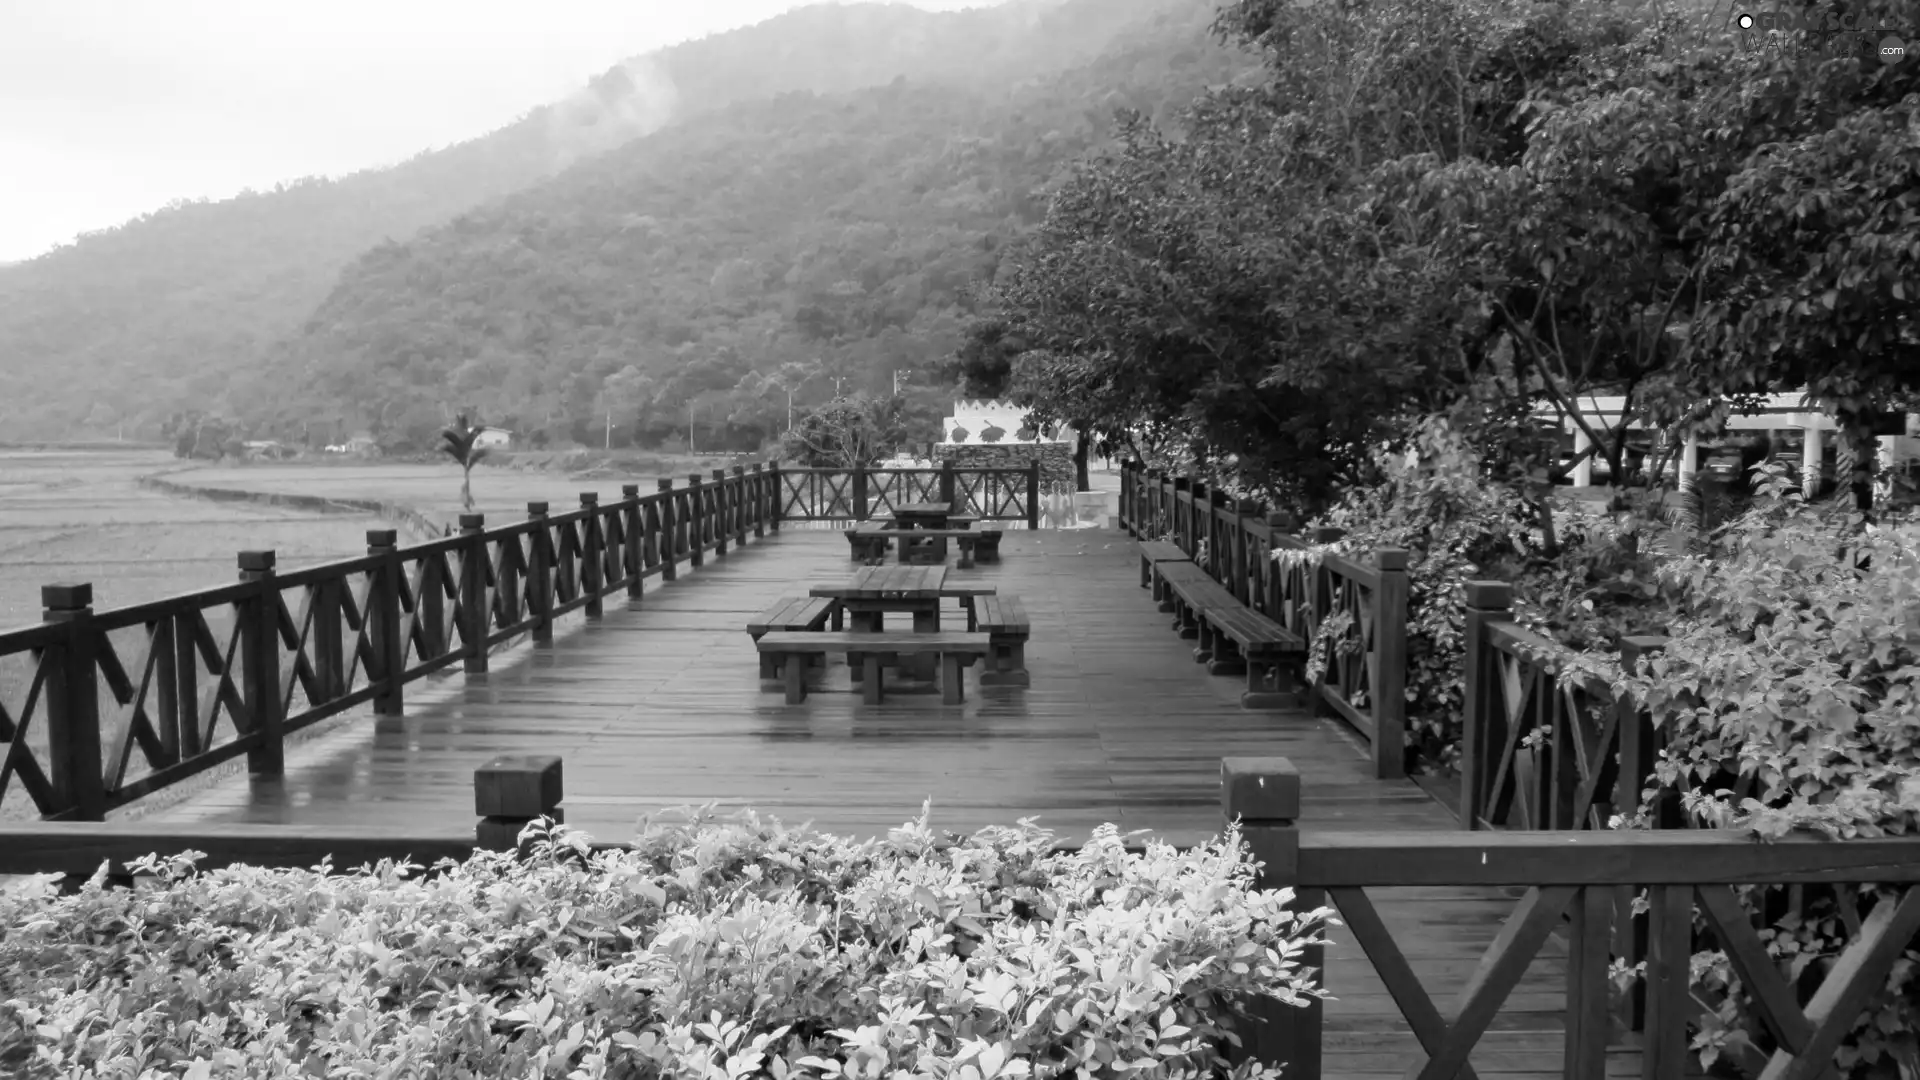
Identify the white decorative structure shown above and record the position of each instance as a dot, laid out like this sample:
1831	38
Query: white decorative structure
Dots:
1777	412
974	417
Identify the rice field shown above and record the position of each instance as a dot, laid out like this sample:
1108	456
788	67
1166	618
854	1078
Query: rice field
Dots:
501	494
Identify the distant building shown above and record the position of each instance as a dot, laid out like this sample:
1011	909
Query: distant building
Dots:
493	438
362	443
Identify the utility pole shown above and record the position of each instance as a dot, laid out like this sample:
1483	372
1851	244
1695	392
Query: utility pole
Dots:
689	425
609	445
789	410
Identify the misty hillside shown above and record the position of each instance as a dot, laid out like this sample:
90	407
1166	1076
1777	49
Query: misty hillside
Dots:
159	314
850	229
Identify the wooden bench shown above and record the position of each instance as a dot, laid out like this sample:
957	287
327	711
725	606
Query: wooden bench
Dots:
982	544
1153	552
1004	619
789	651
1234	639
794	613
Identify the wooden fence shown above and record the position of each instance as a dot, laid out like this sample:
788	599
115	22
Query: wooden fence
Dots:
221	672
1541	749
1363	602
848	495
1578	885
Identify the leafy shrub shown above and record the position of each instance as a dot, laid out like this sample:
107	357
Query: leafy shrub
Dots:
1456	528
711	951
1789	697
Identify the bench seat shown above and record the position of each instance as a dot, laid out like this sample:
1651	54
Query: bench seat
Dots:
1234	639
1153	552
1004	620
790	650
794	613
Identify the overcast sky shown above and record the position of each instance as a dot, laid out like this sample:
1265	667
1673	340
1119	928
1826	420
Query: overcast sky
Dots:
112	108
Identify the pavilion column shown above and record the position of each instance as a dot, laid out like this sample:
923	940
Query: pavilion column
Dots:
1583	472
1689	454
1811	449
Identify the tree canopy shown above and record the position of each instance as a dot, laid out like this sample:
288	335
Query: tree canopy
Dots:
1473	205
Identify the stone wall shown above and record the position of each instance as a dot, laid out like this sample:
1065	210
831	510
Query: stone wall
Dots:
1056	459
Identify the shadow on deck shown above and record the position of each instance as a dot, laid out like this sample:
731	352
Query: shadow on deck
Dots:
658	704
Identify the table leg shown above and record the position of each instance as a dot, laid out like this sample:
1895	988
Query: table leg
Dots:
926	620
953	690
875	676
864	622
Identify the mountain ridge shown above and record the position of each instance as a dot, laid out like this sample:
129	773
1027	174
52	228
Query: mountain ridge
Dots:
158	314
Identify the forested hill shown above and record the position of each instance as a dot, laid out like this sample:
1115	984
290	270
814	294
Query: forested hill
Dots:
162	313
685	266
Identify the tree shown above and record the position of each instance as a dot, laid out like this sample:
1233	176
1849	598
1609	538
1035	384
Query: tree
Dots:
457	442
845	433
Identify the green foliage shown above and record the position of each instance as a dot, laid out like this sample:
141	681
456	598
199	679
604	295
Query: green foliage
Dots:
847	433
712	950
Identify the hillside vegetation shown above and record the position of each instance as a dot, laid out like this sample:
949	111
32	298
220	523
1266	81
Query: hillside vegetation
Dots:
810	242
160	315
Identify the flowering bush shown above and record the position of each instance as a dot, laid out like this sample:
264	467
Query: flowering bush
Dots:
713	950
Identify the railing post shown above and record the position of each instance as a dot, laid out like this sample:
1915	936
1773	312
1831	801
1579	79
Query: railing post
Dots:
696	521
860	493
383	622
473	593
947	485
776	496
1487	601
669	544
593	555
757	484
540	573
73	704
633	553
740	505
1389	665
722	511
1033	494
509	792
261	665
1263	794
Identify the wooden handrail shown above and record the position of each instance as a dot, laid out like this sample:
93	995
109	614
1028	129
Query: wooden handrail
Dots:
235	668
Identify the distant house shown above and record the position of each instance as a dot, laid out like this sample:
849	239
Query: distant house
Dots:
362	443
494	438
267	448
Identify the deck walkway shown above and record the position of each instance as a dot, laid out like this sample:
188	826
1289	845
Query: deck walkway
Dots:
657	705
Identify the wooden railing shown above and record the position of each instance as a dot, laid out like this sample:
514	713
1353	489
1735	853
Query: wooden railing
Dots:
1362	603
1544	747
849	495
207	676
1578	887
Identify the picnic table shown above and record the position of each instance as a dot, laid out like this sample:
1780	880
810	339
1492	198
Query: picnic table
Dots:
873	591
922	515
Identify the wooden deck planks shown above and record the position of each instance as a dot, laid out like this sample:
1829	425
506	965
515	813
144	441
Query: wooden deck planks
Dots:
659	704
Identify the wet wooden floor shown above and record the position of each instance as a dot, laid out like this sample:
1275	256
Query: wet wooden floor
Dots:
658	704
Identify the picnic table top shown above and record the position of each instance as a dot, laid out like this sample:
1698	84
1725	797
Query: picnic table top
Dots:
924	509
889	582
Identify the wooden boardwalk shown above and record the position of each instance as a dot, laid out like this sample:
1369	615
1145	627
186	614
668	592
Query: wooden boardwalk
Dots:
657	704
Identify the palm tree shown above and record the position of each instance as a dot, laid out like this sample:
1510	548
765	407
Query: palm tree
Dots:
458	441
